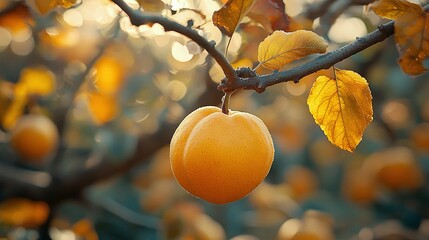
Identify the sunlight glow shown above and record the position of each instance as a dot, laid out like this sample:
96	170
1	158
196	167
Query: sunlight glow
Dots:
289	228
176	90
347	29
295	7
180	52
5	38
295	89
22	45
73	18
132	3
177	4
396	113
62	234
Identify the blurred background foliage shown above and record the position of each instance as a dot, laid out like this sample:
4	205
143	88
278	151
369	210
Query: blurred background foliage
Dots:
107	84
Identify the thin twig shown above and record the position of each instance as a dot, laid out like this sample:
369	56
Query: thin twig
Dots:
66	101
225	102
138	18
325	61
316	10
19	177
71	185
125	213
259	83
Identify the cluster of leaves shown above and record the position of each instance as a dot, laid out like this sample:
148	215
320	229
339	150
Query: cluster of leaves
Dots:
342	113
410	32
34	82
342	103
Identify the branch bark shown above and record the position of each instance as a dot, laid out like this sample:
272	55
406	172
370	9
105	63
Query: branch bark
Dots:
58	188
325	61
260	82
138	18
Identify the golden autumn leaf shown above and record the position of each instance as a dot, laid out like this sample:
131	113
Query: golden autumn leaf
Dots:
243	62
109	75
103	107
392	9
44	6
230	15
411	23
35	81
411	31
281	48
271	14
342	107
13	113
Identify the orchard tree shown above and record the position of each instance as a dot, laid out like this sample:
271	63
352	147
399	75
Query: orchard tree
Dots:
238	119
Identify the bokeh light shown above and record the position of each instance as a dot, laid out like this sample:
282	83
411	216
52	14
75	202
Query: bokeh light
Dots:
347	29
180	52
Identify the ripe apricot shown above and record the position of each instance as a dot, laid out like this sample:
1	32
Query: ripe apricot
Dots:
34	137
221	157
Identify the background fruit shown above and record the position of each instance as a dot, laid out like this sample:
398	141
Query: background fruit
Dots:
302	182
218	157
34	137
359	186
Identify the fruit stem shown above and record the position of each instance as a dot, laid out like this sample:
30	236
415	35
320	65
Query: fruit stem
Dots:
225	102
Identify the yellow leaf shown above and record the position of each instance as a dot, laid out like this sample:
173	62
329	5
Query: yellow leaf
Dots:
230	15
342	107
411	31
44	6
392	9
35	81
13	112
281	48
109	74
243	62
103	107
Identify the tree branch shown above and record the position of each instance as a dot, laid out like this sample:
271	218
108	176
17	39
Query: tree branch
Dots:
325	61
138	18
335	10
71	185
318	9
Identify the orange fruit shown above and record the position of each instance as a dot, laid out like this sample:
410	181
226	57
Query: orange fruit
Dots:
34	137
396	169
302	182
23	212
221	157
400	174
360	187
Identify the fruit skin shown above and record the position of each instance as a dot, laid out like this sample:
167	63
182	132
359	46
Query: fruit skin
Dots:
221	157
34	138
